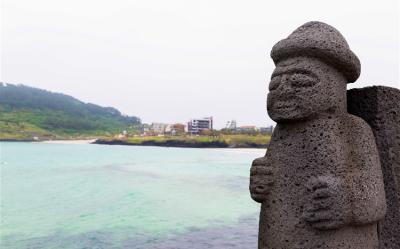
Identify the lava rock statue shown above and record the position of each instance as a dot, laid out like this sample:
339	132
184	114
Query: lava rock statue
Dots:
320	183
379	106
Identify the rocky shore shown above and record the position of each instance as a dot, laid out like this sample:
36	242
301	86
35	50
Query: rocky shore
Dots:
181	143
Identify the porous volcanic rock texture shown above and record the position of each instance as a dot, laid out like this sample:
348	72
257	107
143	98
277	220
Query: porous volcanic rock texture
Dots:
379	106
320	183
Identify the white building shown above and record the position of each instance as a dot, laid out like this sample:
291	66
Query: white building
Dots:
195	126
231	125
158	128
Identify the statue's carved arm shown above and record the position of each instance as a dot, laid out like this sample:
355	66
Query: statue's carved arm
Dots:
367	186
261	179
329	204
357	197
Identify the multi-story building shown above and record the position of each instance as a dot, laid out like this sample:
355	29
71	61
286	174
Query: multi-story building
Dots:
231	125
175	129
158	128
178	129
195	126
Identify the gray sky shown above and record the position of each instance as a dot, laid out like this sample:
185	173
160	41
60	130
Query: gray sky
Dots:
170	61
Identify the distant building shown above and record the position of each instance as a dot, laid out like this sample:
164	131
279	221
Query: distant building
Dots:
158	128
145	128
195	126
178	129
120	136
231	125
267	130
247	128
168	129
175	129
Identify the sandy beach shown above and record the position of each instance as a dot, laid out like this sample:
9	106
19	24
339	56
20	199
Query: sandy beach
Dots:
88	141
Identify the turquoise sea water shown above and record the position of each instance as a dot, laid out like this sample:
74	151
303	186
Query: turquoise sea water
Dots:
99	196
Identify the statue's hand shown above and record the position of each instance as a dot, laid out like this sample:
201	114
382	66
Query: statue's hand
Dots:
261	179
327	206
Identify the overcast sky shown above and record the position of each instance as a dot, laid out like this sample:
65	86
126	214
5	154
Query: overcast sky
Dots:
169	61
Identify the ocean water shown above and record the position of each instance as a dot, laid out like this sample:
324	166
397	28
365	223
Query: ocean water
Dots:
77	196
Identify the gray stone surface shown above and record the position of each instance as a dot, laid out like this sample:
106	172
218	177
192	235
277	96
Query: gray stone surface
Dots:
317	39
380	107
320	182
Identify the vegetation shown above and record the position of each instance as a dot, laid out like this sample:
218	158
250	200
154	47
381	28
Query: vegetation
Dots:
220	141
27	112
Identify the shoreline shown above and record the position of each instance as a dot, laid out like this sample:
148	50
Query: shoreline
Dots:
73	141
61	141
93	141
182	144
168	143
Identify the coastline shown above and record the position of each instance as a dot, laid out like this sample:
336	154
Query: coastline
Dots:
17	140
77	141
221	142
183	144
61	141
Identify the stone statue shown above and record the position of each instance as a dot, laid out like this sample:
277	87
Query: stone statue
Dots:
379	106
320	182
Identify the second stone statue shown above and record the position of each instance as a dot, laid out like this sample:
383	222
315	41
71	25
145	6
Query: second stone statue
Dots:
320	182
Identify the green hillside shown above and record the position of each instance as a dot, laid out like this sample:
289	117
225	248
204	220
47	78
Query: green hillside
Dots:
27	112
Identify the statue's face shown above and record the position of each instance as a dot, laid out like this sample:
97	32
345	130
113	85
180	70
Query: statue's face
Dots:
304	87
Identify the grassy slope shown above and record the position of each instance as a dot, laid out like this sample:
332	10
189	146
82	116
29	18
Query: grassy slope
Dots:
236	140
26	112
22	131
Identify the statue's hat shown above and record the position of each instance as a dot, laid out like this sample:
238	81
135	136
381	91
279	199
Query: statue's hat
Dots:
320	40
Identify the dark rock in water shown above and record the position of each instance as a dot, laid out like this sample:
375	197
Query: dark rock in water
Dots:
167	143
379	106
320	183
181	143
242	235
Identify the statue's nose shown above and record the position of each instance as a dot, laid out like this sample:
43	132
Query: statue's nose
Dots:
285	83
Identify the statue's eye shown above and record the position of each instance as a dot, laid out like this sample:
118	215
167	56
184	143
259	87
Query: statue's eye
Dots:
275	81
303	80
